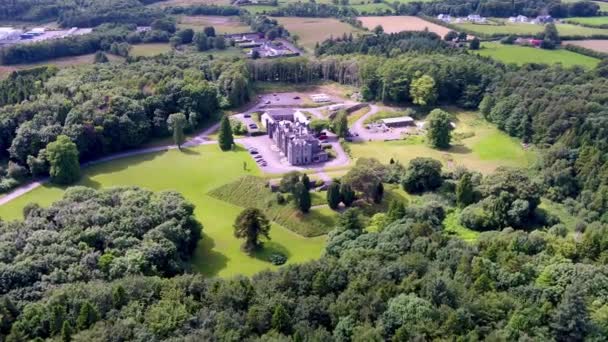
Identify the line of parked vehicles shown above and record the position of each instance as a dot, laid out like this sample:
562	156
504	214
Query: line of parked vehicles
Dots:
257	156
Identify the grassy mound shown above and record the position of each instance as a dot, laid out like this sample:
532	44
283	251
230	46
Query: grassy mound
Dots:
251	191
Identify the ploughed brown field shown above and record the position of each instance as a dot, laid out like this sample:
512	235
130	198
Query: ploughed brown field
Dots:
393	24
593	44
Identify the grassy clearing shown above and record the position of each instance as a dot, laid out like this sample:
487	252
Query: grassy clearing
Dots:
253	192
453	227
505	28
524	54
484	151
222	25
313	30
64	62
193	172
592	21
393	24
149	50
186	3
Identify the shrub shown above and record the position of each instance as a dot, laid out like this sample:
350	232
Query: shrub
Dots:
277	259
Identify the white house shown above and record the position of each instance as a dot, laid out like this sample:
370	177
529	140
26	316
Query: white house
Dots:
519	19
444	17
318	98
476	18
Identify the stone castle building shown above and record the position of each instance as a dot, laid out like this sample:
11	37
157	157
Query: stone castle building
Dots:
297	142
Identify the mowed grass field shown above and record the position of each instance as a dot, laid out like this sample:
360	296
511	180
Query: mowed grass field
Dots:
393	24
592	21
485	151
507	28
524	54
148	50
313	30
193	172
64	62
222	25
593	44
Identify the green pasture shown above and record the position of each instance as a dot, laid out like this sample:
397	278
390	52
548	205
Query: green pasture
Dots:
193	172
523	54
148	50
500	26
591	21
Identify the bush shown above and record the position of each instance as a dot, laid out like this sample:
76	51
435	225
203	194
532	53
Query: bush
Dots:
16	171
476	218
7	184
277	259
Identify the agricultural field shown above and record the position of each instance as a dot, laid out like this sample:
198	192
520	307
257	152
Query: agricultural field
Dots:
591	21
64	62
593	44
503	27
524	54
149	50
484	150
372	8
393	24
192	172
313	30
172	3
222	25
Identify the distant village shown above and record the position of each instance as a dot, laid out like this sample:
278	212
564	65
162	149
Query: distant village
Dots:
477	19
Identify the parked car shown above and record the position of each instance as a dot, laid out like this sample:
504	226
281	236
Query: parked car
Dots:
253	126
296	97
267	102
247	115
253	152
259	157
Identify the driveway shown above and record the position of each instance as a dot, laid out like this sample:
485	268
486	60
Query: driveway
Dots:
276	162
363	134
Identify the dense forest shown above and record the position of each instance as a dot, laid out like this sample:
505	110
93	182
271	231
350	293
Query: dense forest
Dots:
408	281
111	107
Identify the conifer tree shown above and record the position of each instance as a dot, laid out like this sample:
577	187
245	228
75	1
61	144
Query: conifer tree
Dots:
226	140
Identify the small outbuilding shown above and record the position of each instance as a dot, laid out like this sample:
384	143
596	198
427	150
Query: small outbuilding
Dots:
402	121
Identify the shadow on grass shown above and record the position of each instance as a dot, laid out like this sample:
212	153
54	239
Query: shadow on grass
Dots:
459	149
207	261
189	151
268	249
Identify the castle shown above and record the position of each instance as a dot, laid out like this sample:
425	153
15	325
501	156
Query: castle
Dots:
293	137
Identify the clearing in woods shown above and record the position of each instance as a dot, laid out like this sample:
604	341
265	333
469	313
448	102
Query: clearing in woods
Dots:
477	145
63	62
221	24
393	24
593	44
148	50
313	30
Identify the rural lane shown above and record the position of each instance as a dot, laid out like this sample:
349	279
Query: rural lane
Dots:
359	125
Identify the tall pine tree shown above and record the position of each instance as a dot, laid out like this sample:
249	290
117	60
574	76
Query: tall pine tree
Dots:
225	140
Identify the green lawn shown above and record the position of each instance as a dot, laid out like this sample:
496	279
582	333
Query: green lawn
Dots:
484	151
592	21
524	54
193	172
253	192
148	50
529	29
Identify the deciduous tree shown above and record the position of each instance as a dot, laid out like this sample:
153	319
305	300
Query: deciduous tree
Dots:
62	155
176	123
439	129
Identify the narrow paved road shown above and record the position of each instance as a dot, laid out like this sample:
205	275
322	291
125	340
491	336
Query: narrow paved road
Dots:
359	125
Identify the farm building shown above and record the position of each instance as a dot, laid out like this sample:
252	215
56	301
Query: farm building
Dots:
336	107
519	19
402	121
318	98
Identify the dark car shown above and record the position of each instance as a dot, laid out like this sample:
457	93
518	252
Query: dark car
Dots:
247	115
296	97
253	126
253	152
